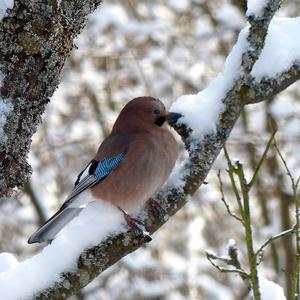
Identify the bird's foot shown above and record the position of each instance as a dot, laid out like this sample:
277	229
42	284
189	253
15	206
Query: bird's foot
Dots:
136	225
156	207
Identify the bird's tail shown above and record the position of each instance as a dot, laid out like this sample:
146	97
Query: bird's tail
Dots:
49	230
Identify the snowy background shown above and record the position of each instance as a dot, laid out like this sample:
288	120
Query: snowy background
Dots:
164	49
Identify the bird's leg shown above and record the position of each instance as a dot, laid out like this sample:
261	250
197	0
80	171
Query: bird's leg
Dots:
156	207
132	222
137	226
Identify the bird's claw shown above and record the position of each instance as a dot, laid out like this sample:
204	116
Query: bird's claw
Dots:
137	226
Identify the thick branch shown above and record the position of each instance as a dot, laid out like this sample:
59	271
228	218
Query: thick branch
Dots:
267	88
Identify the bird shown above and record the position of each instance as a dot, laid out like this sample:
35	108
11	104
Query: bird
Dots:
129	168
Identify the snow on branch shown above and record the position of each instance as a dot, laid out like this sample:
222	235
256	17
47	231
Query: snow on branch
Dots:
4	6
255	7
64	267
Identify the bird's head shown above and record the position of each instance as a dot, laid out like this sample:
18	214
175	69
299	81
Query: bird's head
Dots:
144	112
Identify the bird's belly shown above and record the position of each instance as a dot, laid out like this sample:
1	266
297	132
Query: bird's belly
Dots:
130	187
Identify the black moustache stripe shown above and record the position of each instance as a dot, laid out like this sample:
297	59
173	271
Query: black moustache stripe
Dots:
160	121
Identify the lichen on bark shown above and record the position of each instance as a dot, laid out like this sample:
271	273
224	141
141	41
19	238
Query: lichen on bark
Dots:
36	37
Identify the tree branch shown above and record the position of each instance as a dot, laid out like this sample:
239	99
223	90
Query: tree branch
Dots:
267	88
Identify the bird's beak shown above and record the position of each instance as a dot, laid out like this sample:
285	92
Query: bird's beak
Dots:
172	117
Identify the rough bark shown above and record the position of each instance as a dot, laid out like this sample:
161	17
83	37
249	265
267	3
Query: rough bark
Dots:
35	39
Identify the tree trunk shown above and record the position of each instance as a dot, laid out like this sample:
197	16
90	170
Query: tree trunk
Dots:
36	37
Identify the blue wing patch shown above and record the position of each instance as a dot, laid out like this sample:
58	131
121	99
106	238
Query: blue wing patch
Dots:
94	172
106	165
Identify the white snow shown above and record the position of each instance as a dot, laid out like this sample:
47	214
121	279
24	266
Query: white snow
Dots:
291	129
270	290
256	7
116	16
201	111
4	5
281	50
214	290
7	261
177	175
230	16
95	223
5	108
231	243
283	108
155	289
180	6
140	260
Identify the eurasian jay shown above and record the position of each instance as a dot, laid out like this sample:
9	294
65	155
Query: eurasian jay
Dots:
130	166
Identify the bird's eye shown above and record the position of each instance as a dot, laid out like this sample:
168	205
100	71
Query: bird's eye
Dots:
156	111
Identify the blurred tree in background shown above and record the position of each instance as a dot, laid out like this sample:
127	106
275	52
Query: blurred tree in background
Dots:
164	49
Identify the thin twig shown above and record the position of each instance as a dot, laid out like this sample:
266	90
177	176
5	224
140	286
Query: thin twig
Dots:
37	204
297	182
259	252
231	170
248	231
210	256
230	212
251	182
288	172
296	273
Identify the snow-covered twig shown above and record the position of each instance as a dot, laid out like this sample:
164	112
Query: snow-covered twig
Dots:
231	260
211	257
259	253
